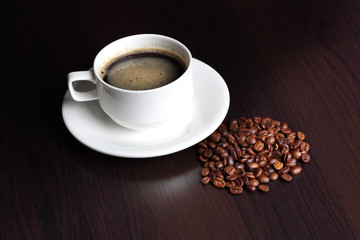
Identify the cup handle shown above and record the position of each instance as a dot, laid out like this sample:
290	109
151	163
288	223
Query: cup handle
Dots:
82	76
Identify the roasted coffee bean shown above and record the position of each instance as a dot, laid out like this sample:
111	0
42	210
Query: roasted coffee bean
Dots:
236	190
254	182
264	179
205	171
300	135
249	175
250	188
200	150
272	161
239	165
283	125
212	145
286	177
297	143
305	158
205	180
230	160
265	122
258	146
229	170
287	131
296	154
257	119
296	170
230	184
219	150
251	140
215	157
258	172
285	169
273	176
233	125
304	146
263	162
253	165
291	163
271	140
219	164
215	137
241	139
207	153
241	172
219	182
232	177
203	159
287	157
250	151
264	188
233	154
202	145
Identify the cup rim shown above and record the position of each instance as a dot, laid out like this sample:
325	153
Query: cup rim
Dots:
146	90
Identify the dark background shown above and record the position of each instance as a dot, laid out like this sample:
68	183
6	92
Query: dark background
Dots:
294	61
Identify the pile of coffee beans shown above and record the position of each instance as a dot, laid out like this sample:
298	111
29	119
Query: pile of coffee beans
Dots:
250	153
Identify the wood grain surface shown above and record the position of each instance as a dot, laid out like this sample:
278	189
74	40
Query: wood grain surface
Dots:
293	61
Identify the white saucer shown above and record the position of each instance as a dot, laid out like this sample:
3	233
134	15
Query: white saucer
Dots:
90	125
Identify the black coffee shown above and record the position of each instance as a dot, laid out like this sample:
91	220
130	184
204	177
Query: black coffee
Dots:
143	70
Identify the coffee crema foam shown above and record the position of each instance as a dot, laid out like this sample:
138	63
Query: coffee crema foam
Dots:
143	71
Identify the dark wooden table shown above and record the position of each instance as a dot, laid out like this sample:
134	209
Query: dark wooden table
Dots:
294	61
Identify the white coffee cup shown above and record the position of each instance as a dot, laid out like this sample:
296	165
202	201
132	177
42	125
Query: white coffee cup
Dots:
138	109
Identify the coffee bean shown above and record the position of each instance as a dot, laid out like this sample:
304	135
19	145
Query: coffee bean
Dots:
229	170
258	172
291	163
205	180
233	125
219	150
207	153
296	154
305	158
254	182
285	169
257	119
264	179
230	160
212	145
250	188
304	146
203	159
249	175
273	176
296	170
219	164
286	177
232	177
251	140
236	190
271	140
264	188
230	184
284	125
278	165
258	146
253	165
205	171
265	122
300	135
219	182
